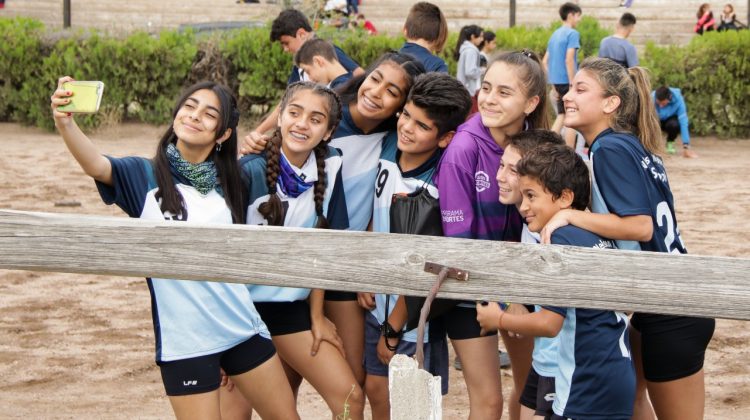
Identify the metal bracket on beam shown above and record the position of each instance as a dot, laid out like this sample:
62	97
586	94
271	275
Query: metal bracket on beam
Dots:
453	273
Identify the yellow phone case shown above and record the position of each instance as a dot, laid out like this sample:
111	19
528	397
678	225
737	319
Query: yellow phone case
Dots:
87	95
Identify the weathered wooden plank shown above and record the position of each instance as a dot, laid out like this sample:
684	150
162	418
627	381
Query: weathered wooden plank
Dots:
373	262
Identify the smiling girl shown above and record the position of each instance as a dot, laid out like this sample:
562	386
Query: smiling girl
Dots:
633	204
297	183
370	103
511	99
200	327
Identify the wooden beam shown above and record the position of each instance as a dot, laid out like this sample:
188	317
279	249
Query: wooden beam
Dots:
376	262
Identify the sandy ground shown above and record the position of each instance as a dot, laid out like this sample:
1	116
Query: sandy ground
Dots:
81	346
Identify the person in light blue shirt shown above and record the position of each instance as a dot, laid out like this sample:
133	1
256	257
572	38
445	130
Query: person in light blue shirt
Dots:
201	328
539	386
617	47
297	183
436	105
673	118
561	62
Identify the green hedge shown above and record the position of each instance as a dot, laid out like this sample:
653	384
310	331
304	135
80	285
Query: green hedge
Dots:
713	73
143	73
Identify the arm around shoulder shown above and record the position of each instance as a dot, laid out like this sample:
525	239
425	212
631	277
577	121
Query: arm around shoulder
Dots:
629	228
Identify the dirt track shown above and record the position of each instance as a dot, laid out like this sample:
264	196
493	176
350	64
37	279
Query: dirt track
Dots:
75	346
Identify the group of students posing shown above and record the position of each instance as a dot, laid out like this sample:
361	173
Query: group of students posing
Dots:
335	159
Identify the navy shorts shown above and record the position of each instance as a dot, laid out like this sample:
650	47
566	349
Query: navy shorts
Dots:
539	394
338	296
201	374
672	347
561	91
435	353
461	323
285	317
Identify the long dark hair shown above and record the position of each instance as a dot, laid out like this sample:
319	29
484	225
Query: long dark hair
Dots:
273	210
411	66
465	35
533	80
225	159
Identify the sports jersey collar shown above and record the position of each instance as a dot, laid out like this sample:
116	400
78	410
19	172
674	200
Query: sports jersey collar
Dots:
428	165
309	170
347	126
606	132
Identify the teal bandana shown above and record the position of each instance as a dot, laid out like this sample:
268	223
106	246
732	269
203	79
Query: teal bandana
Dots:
202	176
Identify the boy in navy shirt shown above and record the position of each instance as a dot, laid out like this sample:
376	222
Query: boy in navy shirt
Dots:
317	58
561	62
595	377
426	31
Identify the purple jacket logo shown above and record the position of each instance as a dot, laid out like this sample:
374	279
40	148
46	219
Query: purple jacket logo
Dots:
482	181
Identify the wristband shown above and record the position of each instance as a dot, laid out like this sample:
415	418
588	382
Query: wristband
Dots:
387	331
504	305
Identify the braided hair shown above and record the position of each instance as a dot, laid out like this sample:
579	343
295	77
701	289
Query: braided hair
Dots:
272	210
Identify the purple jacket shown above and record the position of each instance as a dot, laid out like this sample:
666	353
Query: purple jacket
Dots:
465	178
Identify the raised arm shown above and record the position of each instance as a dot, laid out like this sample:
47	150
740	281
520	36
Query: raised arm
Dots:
93	163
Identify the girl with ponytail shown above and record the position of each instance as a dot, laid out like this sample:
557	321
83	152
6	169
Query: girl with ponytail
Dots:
297	182
511	99
633	204
202	328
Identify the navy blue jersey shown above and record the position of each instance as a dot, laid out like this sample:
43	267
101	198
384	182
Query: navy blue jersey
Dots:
596	378
298	211
191	318
628	181
341	80
350	65
430	61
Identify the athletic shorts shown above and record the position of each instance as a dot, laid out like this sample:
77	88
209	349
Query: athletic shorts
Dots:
338	296
201	374
285	317
461	323
435	353
561	91
556	417
538	394
672	347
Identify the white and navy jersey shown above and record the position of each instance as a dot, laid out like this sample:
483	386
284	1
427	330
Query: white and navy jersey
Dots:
360	153
629	181
595	377
191	318
298	211
391	180
544	356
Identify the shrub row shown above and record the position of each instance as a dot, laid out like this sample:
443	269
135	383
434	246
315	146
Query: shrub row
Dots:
143	73
713	73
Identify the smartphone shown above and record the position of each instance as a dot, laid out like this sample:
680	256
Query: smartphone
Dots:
87	95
